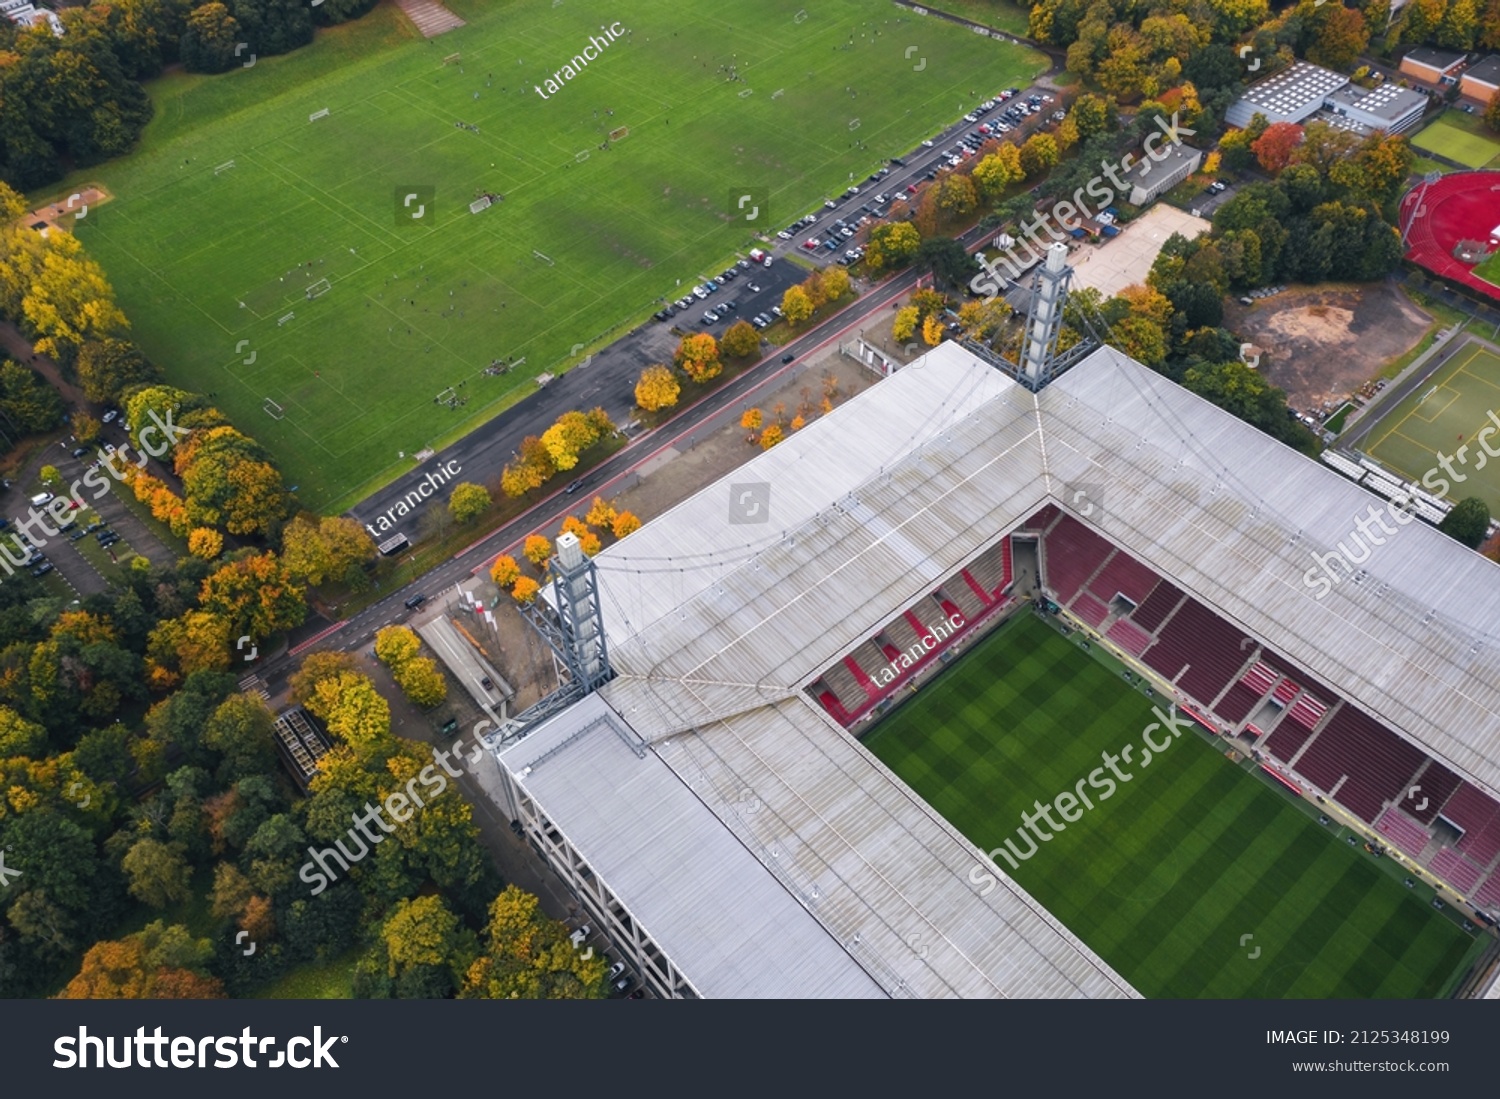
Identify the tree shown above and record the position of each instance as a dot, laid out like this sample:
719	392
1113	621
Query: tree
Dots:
157	963
1039	153
741	340
771	436
158	872
525	590
981	319
395	645
932	330
796	306
330	548
422	682
1342	36
891	245
353	711
752	419
240	730
468	501
601	512
526	955
423	951
205	542
625	523
107	367
209	39
504	571
947	259
658	388
905	325
254	595
1492	113
530	471
568	437
698	356
1274	148
537	550
998	170
836	283
1468	522
954	194
317	667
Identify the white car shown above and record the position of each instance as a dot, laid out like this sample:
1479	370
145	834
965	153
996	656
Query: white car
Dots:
927	144
784	235
700	293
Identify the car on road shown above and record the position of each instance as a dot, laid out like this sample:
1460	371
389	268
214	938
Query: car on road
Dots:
927	144
110	416
1218	187
573	487
415	601
79	452
788	357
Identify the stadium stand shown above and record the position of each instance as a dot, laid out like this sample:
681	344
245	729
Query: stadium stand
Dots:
1124	575
1286	741
1091	610
1451	867
861	676
1488	894
1237	703
1042	519
1403	832
1438	784
1199	647
1071	553
1128	636
1159	604
1482	846
964	599
1379	764
1307	711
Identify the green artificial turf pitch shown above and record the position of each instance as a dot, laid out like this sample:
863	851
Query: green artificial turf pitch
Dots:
1444	414
1166	877
202	260
1469	147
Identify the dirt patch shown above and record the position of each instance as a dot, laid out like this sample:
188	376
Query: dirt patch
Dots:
1321	344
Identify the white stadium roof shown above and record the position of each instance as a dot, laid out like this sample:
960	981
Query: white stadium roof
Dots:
716	626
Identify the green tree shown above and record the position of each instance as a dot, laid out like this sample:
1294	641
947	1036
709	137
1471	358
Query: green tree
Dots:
796	306
240	730
741	340
158	872
1468	522
106	367
468	502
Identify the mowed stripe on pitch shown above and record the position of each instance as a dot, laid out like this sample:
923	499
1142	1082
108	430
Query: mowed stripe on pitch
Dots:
1165	878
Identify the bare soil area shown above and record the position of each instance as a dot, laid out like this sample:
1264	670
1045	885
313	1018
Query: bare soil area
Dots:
1320	344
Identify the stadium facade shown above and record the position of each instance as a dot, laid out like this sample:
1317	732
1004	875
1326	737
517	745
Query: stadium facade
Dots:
714	811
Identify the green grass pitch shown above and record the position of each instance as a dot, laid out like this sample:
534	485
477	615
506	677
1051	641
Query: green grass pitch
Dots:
1164	878
1444	414
1468	147
203	260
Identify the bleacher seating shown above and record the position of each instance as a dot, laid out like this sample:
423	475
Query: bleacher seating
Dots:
1403	832
832	704
1470	808
1488	894
1287	740
861	677
1208	647
869	655
1089	609
1438	784
990	570
1007	565
1452	867
1237	703
1160	603
1282	666
1124	575
1286	690
1307	711
1378	763
1128	636
964	599
1071	553
1260	678
840	679
1482	846
899	630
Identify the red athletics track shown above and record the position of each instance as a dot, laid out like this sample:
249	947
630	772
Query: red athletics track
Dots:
1461	206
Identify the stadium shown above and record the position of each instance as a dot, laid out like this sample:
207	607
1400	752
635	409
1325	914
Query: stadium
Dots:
1451	227
808	731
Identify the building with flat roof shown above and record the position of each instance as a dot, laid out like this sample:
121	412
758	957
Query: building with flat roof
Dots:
1432	65
1293	95
1481	80
1150	177
1388	107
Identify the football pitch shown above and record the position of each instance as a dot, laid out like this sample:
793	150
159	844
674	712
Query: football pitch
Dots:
299	231
1195	878
1444	414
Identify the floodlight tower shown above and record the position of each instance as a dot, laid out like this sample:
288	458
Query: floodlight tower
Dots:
1044	316
573	626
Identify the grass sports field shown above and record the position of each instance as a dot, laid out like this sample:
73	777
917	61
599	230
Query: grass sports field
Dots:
239	200
1444	414
1459	137
1164	878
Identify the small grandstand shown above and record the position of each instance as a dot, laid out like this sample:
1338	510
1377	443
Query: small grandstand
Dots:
902	525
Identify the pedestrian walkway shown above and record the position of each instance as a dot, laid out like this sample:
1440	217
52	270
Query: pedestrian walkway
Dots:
429	17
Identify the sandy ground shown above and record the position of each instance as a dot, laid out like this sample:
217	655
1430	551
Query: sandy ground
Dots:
1320	344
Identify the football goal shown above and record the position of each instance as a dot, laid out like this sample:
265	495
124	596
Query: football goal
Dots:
274	410
318	289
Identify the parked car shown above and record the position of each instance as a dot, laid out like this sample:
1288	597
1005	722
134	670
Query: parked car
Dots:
579	937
